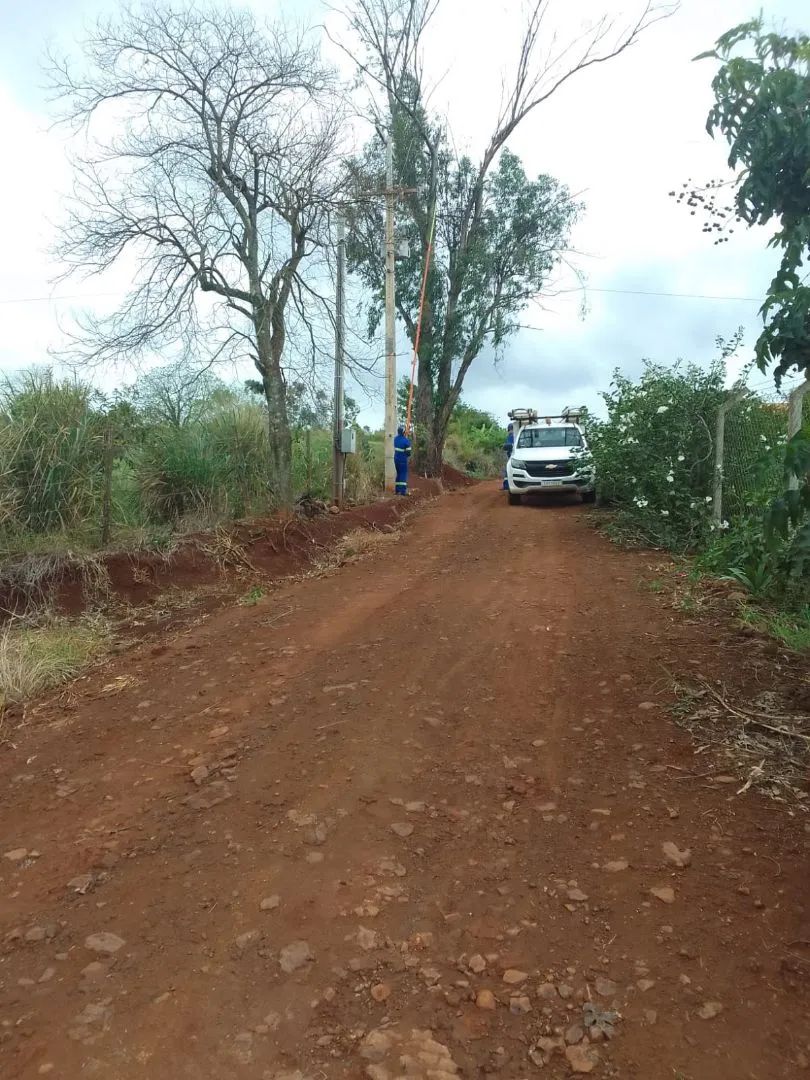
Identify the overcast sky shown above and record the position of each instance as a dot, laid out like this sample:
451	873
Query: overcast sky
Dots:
622	135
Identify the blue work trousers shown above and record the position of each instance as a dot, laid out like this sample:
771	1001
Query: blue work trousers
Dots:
401	465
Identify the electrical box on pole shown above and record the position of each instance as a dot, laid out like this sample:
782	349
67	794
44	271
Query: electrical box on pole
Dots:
348	441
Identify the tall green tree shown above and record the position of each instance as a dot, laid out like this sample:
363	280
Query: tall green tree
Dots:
498	233
479	286
762	108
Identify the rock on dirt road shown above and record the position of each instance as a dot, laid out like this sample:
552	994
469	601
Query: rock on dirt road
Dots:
485	851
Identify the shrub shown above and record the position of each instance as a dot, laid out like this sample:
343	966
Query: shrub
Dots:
50	453
654	454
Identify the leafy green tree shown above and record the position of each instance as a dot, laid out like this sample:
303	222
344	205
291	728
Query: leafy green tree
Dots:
762	108
479	286
498	234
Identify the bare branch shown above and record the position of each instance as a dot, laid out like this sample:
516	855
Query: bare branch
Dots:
217	183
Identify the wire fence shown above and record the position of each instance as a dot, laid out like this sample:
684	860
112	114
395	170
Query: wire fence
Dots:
753	427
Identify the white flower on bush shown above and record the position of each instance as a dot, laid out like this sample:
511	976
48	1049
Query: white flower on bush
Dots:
724	525
665	513
641	503
670	478
662	409
681	457
708	499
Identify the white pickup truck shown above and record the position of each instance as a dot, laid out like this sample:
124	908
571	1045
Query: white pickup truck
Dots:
545	456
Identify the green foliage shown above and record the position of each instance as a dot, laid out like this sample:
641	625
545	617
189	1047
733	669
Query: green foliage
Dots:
653	454
791	628
50	459
762	108
218	467
474	441
199	461
474	437
498	237
252	597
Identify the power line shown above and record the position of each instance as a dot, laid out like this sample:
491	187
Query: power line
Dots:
681	296
57	299
585	289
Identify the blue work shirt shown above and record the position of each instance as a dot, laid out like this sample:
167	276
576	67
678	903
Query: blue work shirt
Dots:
402	448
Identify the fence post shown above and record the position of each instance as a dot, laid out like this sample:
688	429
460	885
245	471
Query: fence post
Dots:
736	394
308	457
795	402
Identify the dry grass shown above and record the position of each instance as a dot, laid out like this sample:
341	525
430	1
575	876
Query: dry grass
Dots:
35	580
220	546
761	740
34	659
360	542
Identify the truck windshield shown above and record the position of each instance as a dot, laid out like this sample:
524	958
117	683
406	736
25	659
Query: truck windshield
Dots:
532	438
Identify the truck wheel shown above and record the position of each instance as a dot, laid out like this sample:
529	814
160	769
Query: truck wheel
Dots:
514	500
589	496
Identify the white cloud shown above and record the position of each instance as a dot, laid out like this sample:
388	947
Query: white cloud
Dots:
624	134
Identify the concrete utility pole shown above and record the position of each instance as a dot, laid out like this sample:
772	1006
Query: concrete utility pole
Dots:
338	457
390	321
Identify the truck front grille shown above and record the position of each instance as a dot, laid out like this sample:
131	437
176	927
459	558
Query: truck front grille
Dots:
552	470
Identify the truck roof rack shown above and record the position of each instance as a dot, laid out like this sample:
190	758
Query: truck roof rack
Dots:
531	416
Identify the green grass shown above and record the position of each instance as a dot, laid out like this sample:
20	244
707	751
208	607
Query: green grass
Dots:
34	659
793	630
253	597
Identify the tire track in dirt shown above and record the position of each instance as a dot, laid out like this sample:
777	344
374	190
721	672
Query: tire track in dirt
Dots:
429	761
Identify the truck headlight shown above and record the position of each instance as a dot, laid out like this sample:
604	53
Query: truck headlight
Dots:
518	464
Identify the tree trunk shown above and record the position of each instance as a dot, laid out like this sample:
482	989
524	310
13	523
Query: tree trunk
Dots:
280	437
434	451
270	347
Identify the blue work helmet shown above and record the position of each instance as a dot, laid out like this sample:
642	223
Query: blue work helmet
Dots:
400	430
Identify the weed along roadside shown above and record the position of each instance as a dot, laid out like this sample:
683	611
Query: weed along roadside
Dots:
311	825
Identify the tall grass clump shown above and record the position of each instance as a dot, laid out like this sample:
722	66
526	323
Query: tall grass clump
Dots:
34	659
51	468
217	467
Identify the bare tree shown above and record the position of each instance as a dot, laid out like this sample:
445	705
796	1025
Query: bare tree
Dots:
178	394
217	182
477	286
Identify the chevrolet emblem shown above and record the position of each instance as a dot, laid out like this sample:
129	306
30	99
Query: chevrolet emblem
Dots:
550	467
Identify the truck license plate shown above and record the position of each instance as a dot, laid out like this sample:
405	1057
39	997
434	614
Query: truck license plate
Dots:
552	483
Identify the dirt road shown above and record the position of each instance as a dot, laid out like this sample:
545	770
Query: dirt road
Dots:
404	819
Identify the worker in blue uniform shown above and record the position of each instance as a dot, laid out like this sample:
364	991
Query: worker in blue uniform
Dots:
402	455
508	447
